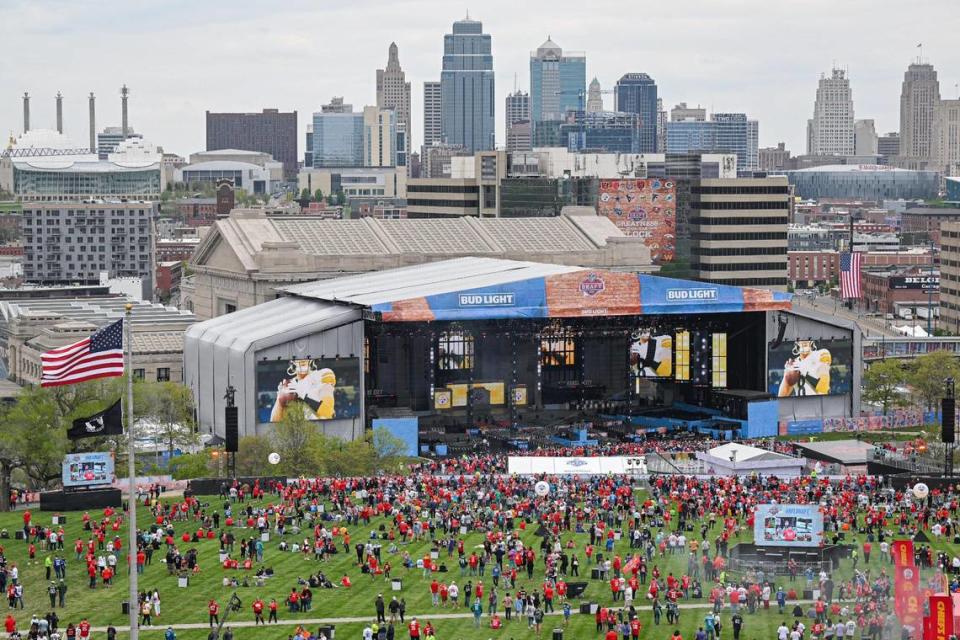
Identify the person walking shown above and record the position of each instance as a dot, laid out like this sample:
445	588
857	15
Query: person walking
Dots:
213	610
381	609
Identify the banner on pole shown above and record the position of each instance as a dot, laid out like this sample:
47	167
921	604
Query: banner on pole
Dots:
941	617
907	596
902	551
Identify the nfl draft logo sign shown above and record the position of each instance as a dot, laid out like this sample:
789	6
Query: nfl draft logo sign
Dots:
592	285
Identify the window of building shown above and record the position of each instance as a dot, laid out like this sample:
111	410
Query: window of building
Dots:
719	355
682	357
139	374
455	351
163	374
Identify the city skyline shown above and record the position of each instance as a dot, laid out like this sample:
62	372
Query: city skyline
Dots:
168	98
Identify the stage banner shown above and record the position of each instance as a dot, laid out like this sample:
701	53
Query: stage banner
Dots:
562	466
907	596
902	551
941	617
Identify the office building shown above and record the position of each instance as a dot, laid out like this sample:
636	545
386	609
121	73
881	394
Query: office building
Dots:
683	113
110	138
436	159
872	183
888	146
950	276
467	100
946	138
865	138
519	127
594	97
662	119
355	183
738	231
76	242
473	188
381	147
723	133
603	132
393	92
637	93
558	82
270	131
774	158
830	132
250	177
432	114
337	136
919	96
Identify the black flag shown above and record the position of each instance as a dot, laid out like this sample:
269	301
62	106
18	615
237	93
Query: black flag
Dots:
108	422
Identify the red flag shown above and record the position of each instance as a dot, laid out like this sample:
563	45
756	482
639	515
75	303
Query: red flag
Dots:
907	596
941	617
902	551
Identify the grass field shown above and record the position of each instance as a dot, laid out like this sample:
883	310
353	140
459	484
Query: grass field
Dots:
184	606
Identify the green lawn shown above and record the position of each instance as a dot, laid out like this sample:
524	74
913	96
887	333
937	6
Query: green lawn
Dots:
102	605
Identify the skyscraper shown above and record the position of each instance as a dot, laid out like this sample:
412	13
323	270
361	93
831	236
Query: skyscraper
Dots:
380	147
518	121
830	131
432	114
946	138
918	98
557	82
594	97
270	132
337	136
466	87
393	92
723	133
865	138
637	93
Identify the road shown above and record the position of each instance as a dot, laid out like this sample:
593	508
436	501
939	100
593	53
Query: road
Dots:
869	325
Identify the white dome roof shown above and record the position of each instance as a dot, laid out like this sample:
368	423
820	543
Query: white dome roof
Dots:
44	139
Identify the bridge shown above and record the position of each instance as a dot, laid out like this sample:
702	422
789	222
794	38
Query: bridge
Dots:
881	347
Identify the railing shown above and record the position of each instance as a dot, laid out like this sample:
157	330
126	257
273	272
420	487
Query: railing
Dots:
877	347
657	463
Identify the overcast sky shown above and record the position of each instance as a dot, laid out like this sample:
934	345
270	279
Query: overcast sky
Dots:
183	57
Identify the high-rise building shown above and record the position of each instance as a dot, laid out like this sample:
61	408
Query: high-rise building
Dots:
683	113
661	125
888	145
380	137
337	136
270	132
603	131
723	133
75	242
918	98
774	158
393	92
467	88
110	138
432	114
518	121
946	138
830	131
594	97
637	93
557	82
865	138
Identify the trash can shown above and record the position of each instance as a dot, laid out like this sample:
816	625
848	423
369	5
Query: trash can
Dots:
327	630
125	607
558	634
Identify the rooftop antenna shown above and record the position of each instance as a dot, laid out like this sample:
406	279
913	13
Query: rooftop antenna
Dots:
514	81
920	53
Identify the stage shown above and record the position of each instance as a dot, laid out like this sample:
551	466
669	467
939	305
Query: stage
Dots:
80	500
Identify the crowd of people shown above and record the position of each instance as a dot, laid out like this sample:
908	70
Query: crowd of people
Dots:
653	550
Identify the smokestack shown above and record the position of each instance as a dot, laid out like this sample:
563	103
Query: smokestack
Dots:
93	124
59	112
26	112
124	92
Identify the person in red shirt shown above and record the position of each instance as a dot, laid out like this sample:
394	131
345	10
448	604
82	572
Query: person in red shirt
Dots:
414	628
676	635
611	635
273	611
435	592
867	547
258	612
10	624
635	628
345	581
84	629
213	609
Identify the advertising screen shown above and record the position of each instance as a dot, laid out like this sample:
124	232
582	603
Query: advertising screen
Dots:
87	469
788	525
644	208
810	368
323	389
651	355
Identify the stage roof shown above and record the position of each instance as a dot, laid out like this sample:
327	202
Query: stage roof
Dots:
838	451
745	453
490	289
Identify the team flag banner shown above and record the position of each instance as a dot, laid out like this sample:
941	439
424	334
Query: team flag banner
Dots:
108	422
907	596
941	618
99	356
902	551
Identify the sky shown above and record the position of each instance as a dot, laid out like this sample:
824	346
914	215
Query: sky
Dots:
181	58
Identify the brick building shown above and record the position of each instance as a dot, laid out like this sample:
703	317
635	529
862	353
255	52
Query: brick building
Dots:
893	289
812	268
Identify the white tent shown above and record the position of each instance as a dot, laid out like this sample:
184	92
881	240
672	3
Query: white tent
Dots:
735	459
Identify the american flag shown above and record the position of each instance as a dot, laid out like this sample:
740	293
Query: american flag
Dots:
99	356
850	275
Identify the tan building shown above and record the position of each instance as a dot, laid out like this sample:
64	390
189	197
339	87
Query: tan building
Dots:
393	92
950	277
28	328
473	189
245	259
738	230
356	182
946	138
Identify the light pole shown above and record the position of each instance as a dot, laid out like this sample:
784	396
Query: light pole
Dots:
948	405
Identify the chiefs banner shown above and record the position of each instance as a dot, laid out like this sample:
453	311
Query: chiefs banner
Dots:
940	626
907	598
902	551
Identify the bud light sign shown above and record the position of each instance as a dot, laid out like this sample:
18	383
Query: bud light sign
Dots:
691	294
486	299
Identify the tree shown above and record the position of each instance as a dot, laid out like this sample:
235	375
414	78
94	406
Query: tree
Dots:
299	444
317	195
388	450
305	194
929	373
191	465
168	407
881	383
252	455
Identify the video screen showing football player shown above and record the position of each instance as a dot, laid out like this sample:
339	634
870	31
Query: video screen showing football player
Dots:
651	356
807	373
313	388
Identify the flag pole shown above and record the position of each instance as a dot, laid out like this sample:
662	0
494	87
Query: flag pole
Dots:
132	477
